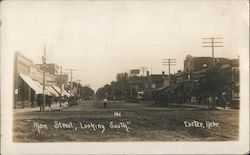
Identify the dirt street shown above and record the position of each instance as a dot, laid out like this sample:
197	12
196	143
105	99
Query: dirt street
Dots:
121	121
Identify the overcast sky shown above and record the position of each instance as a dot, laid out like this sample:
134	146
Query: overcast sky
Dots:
103	38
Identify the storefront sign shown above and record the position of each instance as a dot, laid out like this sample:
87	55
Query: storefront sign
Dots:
16	91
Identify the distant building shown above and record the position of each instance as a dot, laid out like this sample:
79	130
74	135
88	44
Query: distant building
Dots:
136	82
154	81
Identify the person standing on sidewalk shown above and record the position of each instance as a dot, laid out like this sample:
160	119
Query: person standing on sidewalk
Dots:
40	100
223	100
210	102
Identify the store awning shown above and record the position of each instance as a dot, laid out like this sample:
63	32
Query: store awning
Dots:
57	89
66	93
52	91
46	91
31	83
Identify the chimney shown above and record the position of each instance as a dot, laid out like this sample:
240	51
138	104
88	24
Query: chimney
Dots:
147	73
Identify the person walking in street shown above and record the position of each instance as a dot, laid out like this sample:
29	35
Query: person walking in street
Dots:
105	102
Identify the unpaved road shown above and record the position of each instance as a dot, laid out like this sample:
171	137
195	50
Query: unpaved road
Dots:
89	121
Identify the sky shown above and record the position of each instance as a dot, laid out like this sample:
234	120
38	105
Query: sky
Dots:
102	38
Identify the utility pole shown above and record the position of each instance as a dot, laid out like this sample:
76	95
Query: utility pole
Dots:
143	69
122	86
61	87
71	77
79	89
212	42
151	69
169	63
44	67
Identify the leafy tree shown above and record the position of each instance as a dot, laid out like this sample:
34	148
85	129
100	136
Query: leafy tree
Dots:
103	91
87	92
213	83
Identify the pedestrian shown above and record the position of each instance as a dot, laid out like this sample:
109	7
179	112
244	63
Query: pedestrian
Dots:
48	101
40	100
223	100
105	101
216	101
71	100
210	101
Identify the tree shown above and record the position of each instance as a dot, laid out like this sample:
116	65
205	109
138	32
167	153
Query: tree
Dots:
213	83
86	92
103	91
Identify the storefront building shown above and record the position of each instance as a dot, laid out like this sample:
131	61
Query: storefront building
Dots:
28	82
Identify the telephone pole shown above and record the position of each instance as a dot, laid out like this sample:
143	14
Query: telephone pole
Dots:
79	88
143	69
169	63
212	42
61	87
44	67
71	77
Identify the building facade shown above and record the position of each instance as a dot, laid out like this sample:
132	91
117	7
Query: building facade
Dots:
202	78
28	81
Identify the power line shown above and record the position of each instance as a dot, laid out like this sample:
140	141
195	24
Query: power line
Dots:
143	69
212	42
169	63
143	79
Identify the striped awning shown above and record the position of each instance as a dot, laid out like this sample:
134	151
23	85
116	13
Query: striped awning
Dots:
46	91
58	90
31	83
52	91
66	93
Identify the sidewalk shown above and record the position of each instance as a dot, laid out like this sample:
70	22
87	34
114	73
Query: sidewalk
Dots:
202	106
190	105
54	107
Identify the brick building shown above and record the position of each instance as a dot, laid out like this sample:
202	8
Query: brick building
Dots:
188	85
